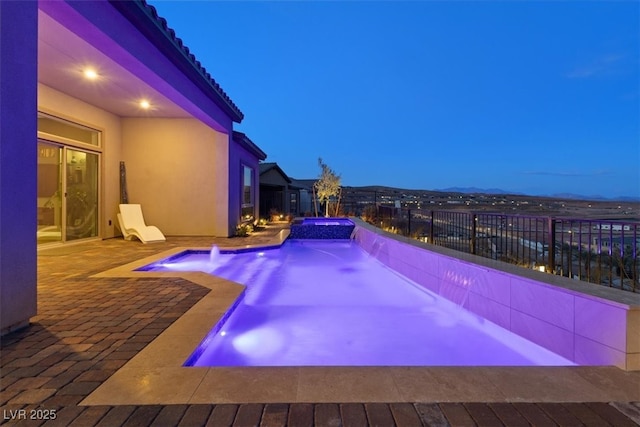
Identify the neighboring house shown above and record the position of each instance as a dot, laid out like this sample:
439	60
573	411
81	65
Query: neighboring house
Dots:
277	192
86	86
605	243
305	188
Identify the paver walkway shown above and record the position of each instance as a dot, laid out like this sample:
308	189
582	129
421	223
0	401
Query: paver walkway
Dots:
87	328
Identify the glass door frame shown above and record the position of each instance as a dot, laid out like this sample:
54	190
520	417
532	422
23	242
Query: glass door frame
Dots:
65	145
57	198
82	194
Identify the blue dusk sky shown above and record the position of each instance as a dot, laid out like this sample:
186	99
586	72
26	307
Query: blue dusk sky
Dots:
534	97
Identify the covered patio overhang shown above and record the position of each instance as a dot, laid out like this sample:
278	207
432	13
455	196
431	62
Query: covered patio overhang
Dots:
118	67
93	63
134	56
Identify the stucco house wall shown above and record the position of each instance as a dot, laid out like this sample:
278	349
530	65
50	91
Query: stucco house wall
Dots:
177	169
18	156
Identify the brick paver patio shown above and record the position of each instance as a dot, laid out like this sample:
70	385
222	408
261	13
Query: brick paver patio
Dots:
87	328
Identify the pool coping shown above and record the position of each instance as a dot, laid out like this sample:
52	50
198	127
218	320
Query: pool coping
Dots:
156	375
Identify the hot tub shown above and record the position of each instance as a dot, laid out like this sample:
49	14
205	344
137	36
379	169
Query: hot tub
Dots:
322	228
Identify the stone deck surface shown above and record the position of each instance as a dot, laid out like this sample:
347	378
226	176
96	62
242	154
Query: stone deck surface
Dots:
87	328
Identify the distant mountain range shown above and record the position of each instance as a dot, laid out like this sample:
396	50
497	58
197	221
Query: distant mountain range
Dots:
470	190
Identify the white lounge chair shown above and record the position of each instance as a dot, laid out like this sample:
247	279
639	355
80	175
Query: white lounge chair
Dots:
132	224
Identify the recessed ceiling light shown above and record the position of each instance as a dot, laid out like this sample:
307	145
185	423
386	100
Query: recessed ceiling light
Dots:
145	104
90	73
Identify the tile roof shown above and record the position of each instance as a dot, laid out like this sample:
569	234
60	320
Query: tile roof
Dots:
249	145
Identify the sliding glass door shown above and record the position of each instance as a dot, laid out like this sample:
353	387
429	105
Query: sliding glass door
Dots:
81	194
67	193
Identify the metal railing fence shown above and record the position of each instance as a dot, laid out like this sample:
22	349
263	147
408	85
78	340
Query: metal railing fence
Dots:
604	252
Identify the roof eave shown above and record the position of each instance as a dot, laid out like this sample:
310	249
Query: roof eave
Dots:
145	18
249	145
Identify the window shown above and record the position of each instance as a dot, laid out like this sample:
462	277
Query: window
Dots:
68	130
248	193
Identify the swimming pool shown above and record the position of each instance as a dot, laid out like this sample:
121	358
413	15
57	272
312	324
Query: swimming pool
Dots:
314	303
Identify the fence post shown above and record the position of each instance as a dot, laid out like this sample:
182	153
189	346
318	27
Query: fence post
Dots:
431	230
474	224
551	229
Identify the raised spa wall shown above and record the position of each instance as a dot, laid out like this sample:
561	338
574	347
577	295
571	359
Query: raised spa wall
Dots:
321	228
583	322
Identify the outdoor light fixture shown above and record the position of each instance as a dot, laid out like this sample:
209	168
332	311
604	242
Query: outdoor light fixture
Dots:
144	104
90	73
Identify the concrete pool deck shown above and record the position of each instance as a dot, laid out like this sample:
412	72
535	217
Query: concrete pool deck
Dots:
107	347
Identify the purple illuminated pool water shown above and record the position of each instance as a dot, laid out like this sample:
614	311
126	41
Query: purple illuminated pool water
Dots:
316	303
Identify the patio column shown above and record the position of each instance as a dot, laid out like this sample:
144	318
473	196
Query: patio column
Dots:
18	163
